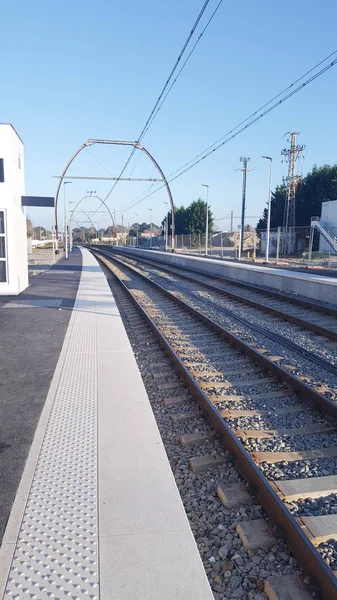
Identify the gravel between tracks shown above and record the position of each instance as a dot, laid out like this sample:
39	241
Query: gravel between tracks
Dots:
231	571
195	294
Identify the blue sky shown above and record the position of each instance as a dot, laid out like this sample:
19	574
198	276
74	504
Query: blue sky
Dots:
78	69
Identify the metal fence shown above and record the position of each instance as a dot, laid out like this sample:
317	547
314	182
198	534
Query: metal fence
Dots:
285	248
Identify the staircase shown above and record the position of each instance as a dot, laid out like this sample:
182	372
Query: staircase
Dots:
325	231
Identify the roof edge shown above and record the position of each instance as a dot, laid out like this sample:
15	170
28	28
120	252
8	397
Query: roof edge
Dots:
12	126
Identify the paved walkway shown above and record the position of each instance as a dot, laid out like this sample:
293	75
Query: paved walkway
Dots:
32	330
97	513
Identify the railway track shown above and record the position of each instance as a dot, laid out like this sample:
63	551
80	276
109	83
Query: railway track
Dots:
319	318
291	345
282	432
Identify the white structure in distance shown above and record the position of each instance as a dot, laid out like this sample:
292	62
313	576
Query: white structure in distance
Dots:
13	227
329	218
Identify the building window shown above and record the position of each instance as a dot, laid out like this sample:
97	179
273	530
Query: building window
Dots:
3	257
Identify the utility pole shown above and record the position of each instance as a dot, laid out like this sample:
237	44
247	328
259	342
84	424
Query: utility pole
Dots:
269	207
166	232
65	218
232	220
244	160
122	228
291	155
206	231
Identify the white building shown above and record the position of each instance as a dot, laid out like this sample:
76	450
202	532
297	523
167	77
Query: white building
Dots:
329	219
13	229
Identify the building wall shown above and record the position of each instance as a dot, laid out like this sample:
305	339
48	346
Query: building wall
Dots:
329	217
12	152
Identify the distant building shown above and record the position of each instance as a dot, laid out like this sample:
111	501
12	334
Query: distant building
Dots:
13	228
146	233
329	218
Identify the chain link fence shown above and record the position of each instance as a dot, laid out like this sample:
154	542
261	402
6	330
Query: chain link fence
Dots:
286	248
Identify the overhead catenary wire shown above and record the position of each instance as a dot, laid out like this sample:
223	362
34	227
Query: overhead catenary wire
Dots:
147	125
178	75
183	66
241	123
244	125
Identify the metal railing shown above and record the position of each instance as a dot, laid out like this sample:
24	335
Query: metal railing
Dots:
326	232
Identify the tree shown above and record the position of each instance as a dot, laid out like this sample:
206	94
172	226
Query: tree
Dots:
78	235
278	199
196	217
109	232
319	185
180	223
30	229
191	219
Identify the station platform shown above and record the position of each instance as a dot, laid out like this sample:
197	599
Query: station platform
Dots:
309	285
97	513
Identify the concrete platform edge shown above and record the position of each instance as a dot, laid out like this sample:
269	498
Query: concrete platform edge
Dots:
312	286
146	546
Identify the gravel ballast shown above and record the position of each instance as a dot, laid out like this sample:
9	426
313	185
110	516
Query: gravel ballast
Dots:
231	570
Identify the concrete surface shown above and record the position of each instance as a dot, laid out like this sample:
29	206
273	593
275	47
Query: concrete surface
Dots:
143	543
30	343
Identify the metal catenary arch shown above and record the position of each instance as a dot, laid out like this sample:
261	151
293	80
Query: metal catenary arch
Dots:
101	200
136	145
87	215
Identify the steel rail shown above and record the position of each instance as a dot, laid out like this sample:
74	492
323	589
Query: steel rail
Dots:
268	309
282	296
293	381
300	544
258	329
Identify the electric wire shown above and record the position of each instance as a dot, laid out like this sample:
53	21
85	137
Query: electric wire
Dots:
146	126
177	77
183	65
244	125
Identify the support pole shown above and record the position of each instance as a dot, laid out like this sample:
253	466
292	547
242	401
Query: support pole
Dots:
206	230
311	241
278	244
269	207
240	243
65	219
53	242
243	207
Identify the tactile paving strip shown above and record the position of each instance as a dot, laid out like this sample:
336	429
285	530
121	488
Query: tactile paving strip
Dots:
56	550
44	303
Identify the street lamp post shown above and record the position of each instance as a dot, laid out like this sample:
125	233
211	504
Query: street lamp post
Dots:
166	228
206	238
269	207
65	219
150	209
70	229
